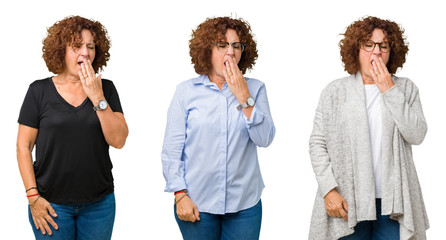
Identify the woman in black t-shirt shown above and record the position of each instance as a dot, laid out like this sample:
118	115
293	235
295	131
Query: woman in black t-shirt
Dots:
72	118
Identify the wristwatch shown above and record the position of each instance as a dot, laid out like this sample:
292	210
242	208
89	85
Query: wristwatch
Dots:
101	106
249	103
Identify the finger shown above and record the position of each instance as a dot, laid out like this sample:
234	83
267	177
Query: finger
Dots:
81	77
383	66
345	205
375	72
90	71
374	77
226	75
45	225
380	66
51	210
228	71
100	80
51	221
41	227
34	221
84	72
233	66
197	214
228	68
344	215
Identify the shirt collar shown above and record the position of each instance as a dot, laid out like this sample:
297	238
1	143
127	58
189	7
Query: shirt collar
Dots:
202	80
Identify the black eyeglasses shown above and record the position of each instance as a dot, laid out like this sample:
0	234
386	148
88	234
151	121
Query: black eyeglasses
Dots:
370	45
236	46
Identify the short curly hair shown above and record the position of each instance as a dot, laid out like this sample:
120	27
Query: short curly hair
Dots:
68	32
213	30
362	30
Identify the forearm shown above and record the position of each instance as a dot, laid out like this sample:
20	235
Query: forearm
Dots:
261	128
114	127
24	160
408	116
247	112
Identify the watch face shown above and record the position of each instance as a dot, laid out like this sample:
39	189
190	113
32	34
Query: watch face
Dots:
103	104
250	101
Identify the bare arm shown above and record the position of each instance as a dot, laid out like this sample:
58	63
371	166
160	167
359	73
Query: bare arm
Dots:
113	124
26	139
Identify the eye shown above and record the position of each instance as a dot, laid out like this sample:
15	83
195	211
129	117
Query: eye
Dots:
90	46
237	46
222	45
384	45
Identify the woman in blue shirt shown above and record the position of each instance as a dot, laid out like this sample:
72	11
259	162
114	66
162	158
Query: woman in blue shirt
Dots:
215	123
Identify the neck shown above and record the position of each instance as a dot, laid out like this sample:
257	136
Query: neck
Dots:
67	78
220	81
367	79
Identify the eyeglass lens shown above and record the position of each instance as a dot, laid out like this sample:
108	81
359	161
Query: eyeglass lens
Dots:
224	46
370	46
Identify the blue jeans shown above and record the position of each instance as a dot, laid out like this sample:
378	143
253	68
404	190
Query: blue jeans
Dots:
240	225
81	221
383	228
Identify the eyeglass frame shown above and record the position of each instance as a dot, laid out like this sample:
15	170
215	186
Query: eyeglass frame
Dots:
374	45
232	45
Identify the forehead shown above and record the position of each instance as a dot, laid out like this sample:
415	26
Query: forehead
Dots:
230	35
377	35
86	35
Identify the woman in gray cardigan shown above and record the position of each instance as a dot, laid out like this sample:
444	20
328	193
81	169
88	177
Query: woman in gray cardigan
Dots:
360	146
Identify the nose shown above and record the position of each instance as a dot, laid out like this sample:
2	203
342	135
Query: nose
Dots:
377	50
230	50
84	50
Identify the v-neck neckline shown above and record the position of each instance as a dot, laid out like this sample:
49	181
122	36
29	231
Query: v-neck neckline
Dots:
77	108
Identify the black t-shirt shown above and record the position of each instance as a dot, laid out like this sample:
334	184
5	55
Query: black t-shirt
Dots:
72	160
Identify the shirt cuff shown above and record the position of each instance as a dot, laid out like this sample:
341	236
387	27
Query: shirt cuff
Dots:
326	184
256	118
176	185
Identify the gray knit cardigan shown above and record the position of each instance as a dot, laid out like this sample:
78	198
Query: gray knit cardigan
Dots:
341	157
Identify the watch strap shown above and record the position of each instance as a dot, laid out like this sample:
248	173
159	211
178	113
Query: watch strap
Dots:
245	104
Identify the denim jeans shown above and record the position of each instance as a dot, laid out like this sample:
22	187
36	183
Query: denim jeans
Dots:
81	221
383	228
244	225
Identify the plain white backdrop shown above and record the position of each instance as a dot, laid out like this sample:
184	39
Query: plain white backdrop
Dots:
298	57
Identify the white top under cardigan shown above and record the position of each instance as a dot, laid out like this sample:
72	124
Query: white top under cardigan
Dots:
341	157
373	106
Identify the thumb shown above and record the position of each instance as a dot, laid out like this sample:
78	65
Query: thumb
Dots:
196	213
99	79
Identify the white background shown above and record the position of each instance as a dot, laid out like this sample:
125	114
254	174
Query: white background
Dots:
298	57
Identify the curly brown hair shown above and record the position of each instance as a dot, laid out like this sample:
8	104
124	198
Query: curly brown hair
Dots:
213	30
362	30
68	32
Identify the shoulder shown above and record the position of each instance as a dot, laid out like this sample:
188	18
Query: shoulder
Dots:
405	85
338	85
403	82
107	83
253	82
39	87
40	84
199	80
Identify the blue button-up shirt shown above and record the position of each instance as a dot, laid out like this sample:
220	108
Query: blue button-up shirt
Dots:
210	147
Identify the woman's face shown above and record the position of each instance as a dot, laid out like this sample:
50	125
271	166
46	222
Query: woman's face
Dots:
75	56
366	58
218	58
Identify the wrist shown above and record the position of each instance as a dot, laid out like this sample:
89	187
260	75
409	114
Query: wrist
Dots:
243	98
31	192
32	199
181	191
95	100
